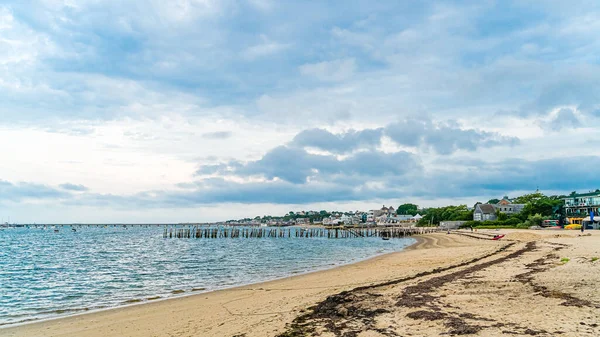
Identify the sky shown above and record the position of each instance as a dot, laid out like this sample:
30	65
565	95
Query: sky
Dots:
203	110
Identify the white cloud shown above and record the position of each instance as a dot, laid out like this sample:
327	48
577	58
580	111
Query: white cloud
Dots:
20	46
263	5
336	70
136	104
265	48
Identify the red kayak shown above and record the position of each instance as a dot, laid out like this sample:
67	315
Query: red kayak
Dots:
498	237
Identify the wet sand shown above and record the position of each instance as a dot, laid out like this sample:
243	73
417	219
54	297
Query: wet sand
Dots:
459	283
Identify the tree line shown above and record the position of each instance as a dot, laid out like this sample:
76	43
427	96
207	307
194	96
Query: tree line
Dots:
538	207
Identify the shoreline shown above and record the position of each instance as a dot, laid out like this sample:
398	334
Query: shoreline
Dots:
151	298
442	284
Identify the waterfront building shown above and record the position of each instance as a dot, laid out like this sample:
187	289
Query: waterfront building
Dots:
484	212
506	206
509	208
580	204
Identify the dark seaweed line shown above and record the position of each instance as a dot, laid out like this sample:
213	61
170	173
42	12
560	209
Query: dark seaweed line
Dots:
298	327
435	271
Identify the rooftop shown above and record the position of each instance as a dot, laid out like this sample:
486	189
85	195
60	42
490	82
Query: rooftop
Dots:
487	208
578	195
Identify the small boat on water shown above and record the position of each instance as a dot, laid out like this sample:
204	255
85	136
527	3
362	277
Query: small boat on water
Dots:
56	231
385	238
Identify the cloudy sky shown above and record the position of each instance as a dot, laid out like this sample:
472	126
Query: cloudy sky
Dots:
202	110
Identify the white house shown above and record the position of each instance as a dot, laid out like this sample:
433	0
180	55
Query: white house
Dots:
416	217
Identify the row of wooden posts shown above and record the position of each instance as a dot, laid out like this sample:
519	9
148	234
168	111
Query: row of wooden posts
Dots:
287	232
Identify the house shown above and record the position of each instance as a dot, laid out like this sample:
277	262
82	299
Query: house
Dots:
346	219
504	201
331	221
416	218
398	218
391	210
373	214
402	217
506	206
509	208
580	204
484	212
385	210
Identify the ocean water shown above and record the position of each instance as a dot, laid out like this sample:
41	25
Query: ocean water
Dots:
45	274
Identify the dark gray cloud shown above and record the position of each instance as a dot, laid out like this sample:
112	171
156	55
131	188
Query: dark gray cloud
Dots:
296	165
293	163
572	86
338	143
16	192
345	181
73	187
443	138
409	132
494	178
474	179
217	135
564	119
217	191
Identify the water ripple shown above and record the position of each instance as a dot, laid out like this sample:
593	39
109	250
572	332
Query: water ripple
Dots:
45	274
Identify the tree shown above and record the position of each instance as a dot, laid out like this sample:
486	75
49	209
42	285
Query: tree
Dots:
448	213
409	209
545	206
501	216
493	201
534	220
527	198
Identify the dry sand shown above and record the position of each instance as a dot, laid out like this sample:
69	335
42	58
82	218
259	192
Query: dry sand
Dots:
459	283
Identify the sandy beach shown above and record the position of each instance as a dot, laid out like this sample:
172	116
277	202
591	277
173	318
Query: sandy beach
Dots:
542	283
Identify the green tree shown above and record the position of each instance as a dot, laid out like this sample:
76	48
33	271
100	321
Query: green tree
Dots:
493	201
409	209
448	213
528	198
535	220
545	206
501	216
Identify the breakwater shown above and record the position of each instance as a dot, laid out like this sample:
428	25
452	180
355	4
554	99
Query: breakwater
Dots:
286	232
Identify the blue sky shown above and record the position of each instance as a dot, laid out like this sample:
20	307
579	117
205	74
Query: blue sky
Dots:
201	110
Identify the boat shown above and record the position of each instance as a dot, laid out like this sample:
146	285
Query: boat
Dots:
498	237
384	238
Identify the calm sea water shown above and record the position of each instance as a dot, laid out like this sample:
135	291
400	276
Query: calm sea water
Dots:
45	274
